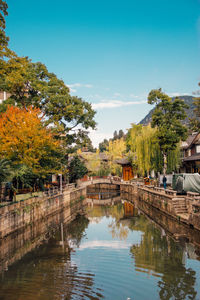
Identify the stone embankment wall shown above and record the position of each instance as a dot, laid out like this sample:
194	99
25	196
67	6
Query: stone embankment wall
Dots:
185	209
19	215
14	246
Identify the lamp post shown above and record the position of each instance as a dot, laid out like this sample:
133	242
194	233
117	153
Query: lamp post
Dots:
60	183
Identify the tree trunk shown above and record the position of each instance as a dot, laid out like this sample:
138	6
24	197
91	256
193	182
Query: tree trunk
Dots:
165	163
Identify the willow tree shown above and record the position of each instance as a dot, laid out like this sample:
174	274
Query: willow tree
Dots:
115	150
167	118
92	161
143	146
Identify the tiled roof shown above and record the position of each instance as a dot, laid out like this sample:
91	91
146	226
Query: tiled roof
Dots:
123	161
192	157
186	144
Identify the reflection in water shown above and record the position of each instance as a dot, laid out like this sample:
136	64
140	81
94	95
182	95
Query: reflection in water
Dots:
157	254
160	256
113	253
48	272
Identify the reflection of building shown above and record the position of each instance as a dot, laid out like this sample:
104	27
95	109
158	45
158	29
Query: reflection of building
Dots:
129	210
127	171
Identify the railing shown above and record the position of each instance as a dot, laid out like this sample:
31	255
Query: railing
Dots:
51	191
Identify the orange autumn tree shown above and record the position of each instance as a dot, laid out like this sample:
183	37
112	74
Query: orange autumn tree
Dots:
25	140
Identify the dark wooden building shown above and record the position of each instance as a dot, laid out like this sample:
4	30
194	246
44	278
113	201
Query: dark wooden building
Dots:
127	170
191	154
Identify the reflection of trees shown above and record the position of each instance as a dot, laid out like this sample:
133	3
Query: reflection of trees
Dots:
114	211
119	230
48	273
160	255
179	284
76	229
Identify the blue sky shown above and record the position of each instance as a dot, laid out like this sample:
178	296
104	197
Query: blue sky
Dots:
112	53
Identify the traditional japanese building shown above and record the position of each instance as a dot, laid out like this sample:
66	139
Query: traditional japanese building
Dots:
191	154
127	170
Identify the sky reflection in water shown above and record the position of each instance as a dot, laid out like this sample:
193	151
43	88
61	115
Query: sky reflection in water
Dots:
111	257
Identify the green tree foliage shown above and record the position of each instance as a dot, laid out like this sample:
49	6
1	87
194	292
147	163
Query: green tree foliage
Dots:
120	134
116	150
115	135
167	119
174	159
195	122
31	84
77	169
144	149
3	13
5	170
103	145
92	162
5	52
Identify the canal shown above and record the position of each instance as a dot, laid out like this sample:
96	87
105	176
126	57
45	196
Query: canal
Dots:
113	252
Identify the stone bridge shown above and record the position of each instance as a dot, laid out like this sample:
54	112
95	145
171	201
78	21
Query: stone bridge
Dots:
94	180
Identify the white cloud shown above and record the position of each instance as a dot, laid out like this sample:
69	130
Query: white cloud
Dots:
72	90
133	96
74	86
105	244
178	94
115	103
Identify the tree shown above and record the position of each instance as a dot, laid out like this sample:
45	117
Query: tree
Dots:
5	170
31	84
77	169
24	140
103	145
116	150
195	122
5	52
167	118
121	134
92	162
3	13
115	135
144	149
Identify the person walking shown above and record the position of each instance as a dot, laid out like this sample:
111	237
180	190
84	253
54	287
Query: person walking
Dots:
164	181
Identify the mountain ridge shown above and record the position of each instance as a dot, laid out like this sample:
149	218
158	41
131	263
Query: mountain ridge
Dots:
190	111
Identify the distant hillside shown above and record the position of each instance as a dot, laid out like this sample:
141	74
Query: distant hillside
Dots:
187	99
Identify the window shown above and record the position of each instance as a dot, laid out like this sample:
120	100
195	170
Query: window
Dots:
197	148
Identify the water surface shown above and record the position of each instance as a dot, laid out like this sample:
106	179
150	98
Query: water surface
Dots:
114	253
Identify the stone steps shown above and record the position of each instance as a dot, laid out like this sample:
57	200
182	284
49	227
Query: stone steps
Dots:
179	205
